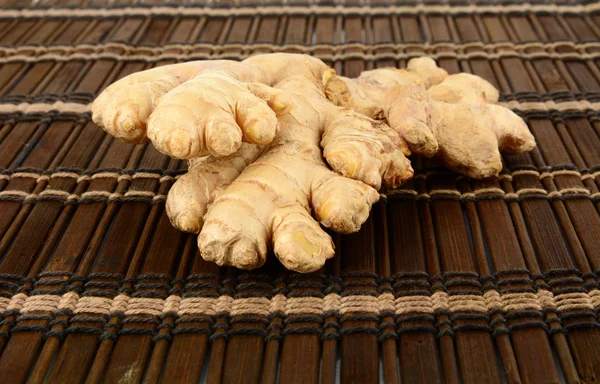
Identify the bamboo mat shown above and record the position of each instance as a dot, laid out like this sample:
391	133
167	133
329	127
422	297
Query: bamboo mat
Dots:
450	280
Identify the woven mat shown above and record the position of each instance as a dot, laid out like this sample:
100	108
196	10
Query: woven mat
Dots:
450	280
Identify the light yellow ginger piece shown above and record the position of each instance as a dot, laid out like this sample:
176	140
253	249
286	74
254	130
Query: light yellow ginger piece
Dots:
425	72
191	194
192	109
270	200
367	150
124	107
408	110
344	212
467	138
253	133
366	93
437	115
261	135
464	88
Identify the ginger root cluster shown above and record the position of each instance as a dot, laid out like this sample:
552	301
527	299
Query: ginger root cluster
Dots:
278	145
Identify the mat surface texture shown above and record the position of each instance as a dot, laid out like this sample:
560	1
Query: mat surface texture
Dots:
451	280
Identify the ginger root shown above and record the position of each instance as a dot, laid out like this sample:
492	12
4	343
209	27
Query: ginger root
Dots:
277	144
254	133
449	117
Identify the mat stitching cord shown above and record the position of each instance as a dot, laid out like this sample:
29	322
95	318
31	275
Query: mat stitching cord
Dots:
106	196
153	52
441	194
155	48
462	304
527	108
295	10
326	57
416	307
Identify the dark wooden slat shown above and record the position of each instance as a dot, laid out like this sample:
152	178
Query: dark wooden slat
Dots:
74	30
244	353
389	351
419	358
34	74
47	31
324	32
103	262
127	30
532	350
181	32
411	31
6	357
17	138
358	350
300	353
547	225
273	340
113	257
15	34
353	28
213	31
158	28
384	30
296	30
31	78
440	32
100	30
42	217
131	352
329	356
239	30
219	344
129	27
583	30
453	246
268	25
178	365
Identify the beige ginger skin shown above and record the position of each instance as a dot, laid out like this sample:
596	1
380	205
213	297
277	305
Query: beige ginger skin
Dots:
277	145
450	117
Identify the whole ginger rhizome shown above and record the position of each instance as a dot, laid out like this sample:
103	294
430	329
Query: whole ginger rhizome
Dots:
278	144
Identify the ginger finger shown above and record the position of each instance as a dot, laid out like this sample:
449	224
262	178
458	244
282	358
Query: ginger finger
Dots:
365	150
279	101
340	203
232	233
469	136
465	145
257	120
242	220
366	94
298	241
464	88
124	112
512	133
191	194
422	105
426	71
124	107
407	110
209	114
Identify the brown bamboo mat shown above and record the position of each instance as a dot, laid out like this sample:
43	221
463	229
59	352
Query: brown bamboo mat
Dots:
450	280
